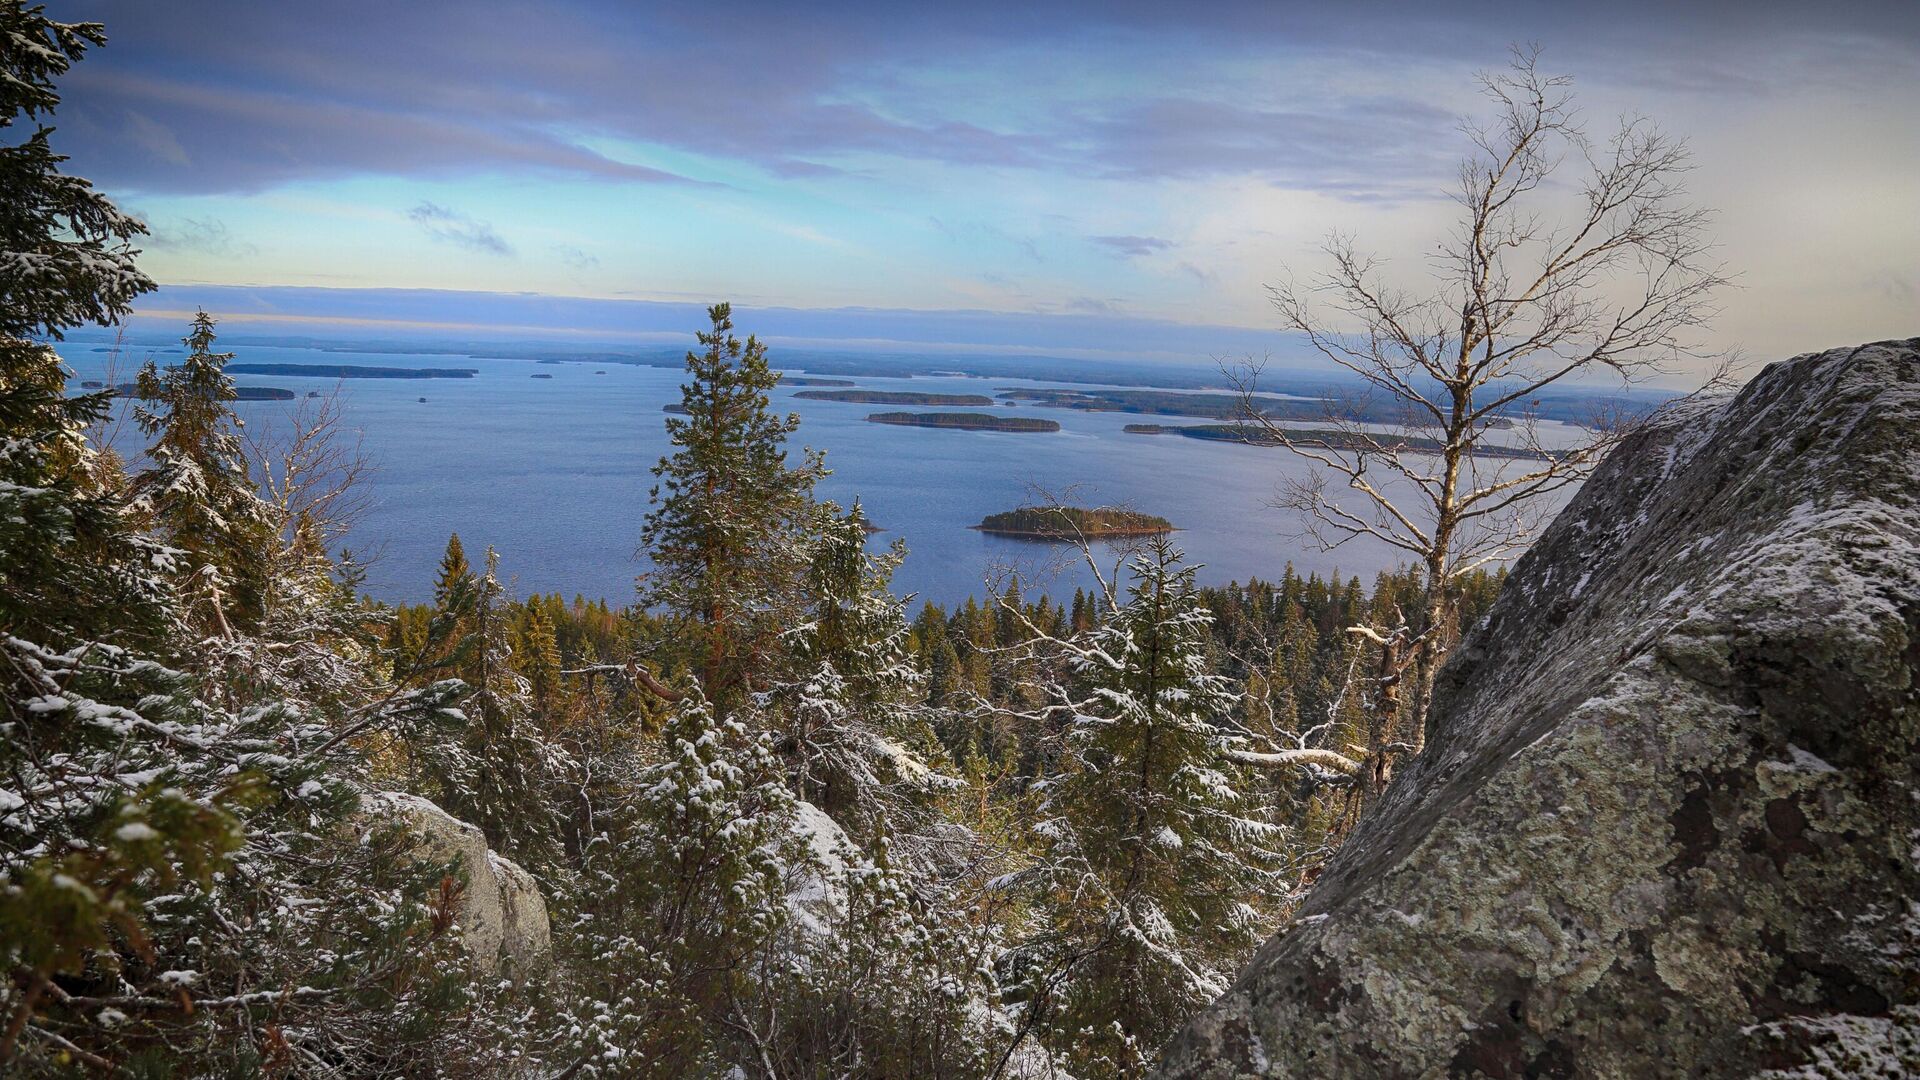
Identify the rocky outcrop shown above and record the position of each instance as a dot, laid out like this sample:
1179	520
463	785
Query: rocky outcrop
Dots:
1668	820
502	916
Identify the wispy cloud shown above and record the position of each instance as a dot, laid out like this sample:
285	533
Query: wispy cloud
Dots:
576	259
456	228
1132	246
206	236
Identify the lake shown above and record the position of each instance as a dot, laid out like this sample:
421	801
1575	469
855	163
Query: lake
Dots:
554	473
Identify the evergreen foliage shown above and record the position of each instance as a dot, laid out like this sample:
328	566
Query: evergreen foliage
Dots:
1154	852
729	512
198	493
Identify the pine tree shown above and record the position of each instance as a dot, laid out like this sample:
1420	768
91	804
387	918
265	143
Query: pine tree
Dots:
1154	854
726	532
198	491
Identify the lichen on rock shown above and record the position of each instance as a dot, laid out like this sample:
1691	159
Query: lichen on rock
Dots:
1668	819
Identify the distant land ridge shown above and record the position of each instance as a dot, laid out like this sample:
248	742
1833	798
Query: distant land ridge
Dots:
351	371
894	397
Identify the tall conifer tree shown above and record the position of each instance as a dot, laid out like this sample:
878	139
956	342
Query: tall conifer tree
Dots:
198	491
727	529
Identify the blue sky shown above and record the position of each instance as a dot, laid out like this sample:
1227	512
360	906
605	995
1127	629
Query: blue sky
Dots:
1119	165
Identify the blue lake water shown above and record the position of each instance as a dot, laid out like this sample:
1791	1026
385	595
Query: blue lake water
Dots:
554	473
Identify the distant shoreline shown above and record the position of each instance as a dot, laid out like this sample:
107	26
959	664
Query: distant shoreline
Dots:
893	397
352	371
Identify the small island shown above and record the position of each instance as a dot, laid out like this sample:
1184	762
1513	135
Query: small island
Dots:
540	376
1151	429
893	397
965	421
1073	523
809	380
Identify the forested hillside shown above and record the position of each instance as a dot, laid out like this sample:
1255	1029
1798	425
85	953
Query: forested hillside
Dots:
781	825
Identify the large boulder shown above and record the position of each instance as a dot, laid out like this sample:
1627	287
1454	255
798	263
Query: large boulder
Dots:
502	916
1668	820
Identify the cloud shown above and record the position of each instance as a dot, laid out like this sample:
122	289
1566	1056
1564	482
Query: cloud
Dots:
294	92
795	168
290	92
220	140
456	228
1344	147
576	259
156	139
207	236
962	231
1199	273
1132	246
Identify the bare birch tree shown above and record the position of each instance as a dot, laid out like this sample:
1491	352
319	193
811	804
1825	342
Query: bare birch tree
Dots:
1441	454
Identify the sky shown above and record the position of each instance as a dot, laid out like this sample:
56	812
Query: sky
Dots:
1107	175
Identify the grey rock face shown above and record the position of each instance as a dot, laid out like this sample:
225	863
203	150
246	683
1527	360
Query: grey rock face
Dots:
1668	820
502	917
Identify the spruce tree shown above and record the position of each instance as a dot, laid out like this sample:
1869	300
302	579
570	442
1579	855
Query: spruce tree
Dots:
67	561
726	534
454	571
538	659
699	866
1155	856
854	731
68	253
198	491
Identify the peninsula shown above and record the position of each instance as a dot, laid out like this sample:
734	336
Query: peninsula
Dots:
1336	440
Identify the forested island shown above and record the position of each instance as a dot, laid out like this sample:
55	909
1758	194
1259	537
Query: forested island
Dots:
964	421
806	380
1073	523
352	371
894	397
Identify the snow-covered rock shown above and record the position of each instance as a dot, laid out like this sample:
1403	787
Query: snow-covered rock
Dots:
1668	820
502	917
